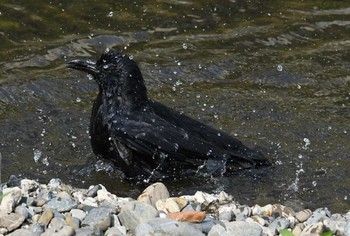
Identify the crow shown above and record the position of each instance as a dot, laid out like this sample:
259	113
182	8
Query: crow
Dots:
148	140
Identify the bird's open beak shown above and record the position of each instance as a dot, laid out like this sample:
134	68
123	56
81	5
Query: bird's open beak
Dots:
88	66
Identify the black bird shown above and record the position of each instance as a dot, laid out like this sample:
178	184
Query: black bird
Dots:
147	139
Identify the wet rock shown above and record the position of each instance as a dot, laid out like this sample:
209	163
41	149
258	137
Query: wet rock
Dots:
303	215
153	193
61	204
136	212
11	198
163	226
98	217
243	228
13	181
170	205
93	191
11	221
46	217
187	216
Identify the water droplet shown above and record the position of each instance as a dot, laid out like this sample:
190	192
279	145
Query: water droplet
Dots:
279	67
131	57
78	99
37	155
184	46
110	14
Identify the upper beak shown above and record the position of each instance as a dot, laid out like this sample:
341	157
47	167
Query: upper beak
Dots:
87	65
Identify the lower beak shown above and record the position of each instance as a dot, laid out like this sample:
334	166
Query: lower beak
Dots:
88	66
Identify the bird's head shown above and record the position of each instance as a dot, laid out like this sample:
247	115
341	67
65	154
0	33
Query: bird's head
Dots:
117	75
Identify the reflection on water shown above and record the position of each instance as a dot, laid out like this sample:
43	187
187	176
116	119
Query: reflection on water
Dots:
274	74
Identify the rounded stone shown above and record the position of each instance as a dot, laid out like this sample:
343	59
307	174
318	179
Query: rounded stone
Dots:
303	215
153	193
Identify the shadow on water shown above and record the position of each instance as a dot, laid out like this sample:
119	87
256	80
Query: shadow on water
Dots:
273	74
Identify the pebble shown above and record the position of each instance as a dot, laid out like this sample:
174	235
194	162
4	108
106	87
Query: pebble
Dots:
34	209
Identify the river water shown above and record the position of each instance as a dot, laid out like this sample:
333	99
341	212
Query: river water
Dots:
275	74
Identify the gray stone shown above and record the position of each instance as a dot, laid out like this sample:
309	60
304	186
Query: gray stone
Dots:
79	214
11	221
116	231
278	224
136	212
315	218
13	182
225	213
65	231
11	198
22	210
347	229
93	191
37	228
153	193
57	223
89	231
206	225
242	228
218	230
54	183
164	226
23	232
61	204
100	217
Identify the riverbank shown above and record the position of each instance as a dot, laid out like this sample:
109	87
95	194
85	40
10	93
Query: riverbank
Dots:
31	208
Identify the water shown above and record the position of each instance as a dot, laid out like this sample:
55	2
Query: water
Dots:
274	74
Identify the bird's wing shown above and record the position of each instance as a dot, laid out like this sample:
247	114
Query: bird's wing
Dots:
153	136
235	148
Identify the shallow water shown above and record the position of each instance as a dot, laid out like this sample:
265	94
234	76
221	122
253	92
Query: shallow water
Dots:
273	74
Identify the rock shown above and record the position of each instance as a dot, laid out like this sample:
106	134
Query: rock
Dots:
242	228
13	182
89	231
65	231
278	224
61	204
23	232
11	198
163	226
37	228
73	222
206	225
303	215
22	210
98	217
136	212
57	223
218	230
46	217
257	219
115	231
79	214
298	229
267	210
256	210
242	210
187	216
11	221
28	186
93	191
89	201
313	229
153	193
225	213
54	183
170	205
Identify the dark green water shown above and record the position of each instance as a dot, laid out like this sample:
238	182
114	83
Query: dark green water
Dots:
273	73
